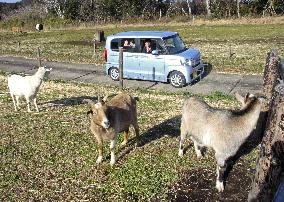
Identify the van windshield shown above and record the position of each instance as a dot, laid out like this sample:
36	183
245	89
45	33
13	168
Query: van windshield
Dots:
174	44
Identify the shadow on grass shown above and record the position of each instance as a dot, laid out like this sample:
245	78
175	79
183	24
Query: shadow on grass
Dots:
72	101
170	127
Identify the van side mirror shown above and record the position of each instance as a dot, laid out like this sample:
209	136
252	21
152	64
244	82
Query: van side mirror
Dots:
155	52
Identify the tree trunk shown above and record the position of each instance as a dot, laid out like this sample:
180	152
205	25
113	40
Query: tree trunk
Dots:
189	7
238	9
208	8
270	163
271	74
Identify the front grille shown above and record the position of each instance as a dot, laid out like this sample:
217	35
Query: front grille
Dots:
195	62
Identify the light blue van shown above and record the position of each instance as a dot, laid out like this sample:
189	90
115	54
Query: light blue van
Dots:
153	56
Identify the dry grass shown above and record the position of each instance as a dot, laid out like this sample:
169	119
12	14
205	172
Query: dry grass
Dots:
267	20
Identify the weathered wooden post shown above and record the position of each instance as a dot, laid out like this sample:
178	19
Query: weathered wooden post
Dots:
120	68
18	46
270	162
39	56
99	36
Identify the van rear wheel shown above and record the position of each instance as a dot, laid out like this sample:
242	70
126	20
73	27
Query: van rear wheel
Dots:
114	74
177	79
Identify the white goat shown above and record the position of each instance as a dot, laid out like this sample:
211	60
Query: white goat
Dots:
26	86
223	130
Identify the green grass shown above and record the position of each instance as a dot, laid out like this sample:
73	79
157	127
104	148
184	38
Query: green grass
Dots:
51	155
248	42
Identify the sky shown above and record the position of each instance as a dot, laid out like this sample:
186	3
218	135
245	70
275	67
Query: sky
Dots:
9	1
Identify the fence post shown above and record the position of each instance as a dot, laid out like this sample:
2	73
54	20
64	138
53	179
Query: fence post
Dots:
18	46
120	68
39	56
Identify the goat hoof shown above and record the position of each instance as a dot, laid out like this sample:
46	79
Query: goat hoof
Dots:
199	155
112	162
180	153
99	160
219	186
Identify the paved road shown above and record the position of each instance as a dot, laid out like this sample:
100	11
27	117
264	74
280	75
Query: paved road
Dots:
226	83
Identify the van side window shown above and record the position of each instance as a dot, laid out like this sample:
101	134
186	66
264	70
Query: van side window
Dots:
148	45
129	45
114	44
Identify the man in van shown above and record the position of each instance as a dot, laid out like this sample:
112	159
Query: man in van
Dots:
147	47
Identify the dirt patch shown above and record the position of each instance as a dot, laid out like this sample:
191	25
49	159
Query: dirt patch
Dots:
199	185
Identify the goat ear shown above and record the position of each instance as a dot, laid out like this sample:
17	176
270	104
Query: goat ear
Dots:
246	97
90	113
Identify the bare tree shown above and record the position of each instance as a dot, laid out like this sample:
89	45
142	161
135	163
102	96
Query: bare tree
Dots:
238	9
189	6
56	6
269	8
208	8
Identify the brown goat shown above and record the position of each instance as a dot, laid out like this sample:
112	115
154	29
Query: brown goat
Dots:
108	118
17	29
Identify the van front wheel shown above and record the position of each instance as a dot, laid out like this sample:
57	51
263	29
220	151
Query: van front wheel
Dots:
114	74
177	79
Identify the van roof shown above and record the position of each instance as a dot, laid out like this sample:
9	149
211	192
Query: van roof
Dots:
146	34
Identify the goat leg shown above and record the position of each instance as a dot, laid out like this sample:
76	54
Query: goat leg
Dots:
220	177
136	128
28	104
18	101
126	135
35	104
198	149
182	138
16	109
100	150
112	151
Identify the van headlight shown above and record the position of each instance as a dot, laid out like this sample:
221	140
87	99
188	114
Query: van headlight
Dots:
185	62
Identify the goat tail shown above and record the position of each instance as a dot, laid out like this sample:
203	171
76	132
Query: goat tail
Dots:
136	98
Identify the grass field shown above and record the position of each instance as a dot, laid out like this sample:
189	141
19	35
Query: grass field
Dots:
248	42
51	155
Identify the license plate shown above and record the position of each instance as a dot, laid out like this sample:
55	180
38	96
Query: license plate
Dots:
194	75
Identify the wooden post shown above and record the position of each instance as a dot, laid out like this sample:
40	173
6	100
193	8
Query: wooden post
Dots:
267	176
39	56
99	35
18	46
120	68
